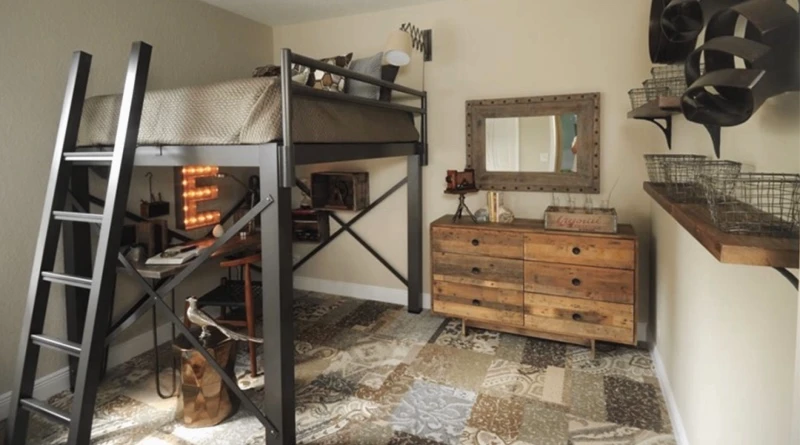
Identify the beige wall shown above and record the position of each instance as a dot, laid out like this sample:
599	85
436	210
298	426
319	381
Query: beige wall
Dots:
727	334
193	43
488	49
536	139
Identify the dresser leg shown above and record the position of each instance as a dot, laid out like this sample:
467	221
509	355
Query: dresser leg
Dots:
463	327
594	349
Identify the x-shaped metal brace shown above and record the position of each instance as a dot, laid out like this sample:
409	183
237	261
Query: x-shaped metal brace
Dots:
345	226
154	299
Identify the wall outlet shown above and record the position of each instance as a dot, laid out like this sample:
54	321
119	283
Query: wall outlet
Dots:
544	157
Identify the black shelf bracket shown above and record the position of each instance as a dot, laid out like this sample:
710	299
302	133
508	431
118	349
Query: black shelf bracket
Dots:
714	132
666	128
789	276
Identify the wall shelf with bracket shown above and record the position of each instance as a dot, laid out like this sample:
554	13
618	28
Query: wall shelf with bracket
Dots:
661	109
779	253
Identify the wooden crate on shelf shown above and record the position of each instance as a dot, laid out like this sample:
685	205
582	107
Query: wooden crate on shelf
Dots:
340	190
310	226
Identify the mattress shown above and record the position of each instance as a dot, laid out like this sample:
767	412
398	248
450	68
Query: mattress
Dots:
243	111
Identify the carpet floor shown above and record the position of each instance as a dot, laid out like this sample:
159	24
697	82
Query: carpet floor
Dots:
370	373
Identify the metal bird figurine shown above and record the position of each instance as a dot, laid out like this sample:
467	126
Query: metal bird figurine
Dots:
200	318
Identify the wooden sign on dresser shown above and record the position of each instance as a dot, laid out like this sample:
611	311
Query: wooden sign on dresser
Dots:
564	286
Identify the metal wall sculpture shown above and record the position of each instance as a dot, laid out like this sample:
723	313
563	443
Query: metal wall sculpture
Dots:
666	44
751	53
729	93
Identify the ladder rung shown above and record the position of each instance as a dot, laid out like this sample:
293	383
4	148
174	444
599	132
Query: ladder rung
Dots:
37	406
65	346
103	157
78	217
69	280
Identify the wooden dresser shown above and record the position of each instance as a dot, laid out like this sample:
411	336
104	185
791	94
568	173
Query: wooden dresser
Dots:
519	278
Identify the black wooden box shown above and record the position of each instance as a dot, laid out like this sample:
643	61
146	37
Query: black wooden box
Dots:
340	190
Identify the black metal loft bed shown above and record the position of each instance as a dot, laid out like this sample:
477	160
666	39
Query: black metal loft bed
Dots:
276	162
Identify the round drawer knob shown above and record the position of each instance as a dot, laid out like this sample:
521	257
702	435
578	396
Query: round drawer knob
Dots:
476	271
475	242
577	317
576	250
476	302
576	281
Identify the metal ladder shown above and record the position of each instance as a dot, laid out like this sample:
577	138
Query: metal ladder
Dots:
101	285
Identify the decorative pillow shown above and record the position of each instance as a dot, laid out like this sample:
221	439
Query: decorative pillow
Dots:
370	66
332	82
299	73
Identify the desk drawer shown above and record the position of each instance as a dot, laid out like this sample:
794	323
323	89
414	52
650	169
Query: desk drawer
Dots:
497	273
494	243
580	250
478	303
593	283
578	317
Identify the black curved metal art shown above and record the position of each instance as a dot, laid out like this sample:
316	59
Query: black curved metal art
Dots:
729	92
684	20
664	45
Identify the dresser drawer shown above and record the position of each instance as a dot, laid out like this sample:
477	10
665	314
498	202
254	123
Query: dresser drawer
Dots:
580	250
494	243
478	303
578	317
498	273
594	283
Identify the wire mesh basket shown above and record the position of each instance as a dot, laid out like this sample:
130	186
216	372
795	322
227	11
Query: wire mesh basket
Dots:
670	71
683	177
656	165
766	204
641	96
676	86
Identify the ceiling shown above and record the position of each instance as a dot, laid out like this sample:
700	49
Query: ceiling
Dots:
286	12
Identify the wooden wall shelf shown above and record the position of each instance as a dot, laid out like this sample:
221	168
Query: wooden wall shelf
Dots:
726	247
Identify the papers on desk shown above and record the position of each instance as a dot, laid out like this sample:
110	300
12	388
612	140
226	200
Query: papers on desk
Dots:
174	256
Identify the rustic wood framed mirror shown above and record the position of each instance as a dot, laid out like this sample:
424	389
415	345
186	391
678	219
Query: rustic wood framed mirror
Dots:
535	144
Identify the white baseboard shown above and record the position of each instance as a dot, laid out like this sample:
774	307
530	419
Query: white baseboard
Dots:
672	406
45	387
361	291
52	384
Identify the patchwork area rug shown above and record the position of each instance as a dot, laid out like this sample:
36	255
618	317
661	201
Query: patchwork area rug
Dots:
370	373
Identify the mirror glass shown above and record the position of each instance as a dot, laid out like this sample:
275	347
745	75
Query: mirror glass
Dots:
532	144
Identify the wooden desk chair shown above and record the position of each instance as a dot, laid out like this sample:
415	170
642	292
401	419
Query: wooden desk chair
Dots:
231	295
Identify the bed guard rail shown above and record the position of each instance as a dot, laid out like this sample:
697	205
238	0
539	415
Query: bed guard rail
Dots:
289	88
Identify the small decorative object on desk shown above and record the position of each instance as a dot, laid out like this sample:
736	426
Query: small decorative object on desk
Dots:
460	180
580	219
460	183
505	215
155	207
482	216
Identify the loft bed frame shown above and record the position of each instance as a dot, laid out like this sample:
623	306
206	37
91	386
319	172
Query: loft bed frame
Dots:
276	162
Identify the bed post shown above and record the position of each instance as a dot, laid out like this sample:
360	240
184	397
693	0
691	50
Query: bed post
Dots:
415	234
277	179
276	260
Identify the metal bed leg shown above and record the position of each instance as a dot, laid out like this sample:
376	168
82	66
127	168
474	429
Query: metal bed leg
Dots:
277	285
77	262
414	234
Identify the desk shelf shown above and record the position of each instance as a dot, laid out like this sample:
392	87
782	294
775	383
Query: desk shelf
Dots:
726	247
